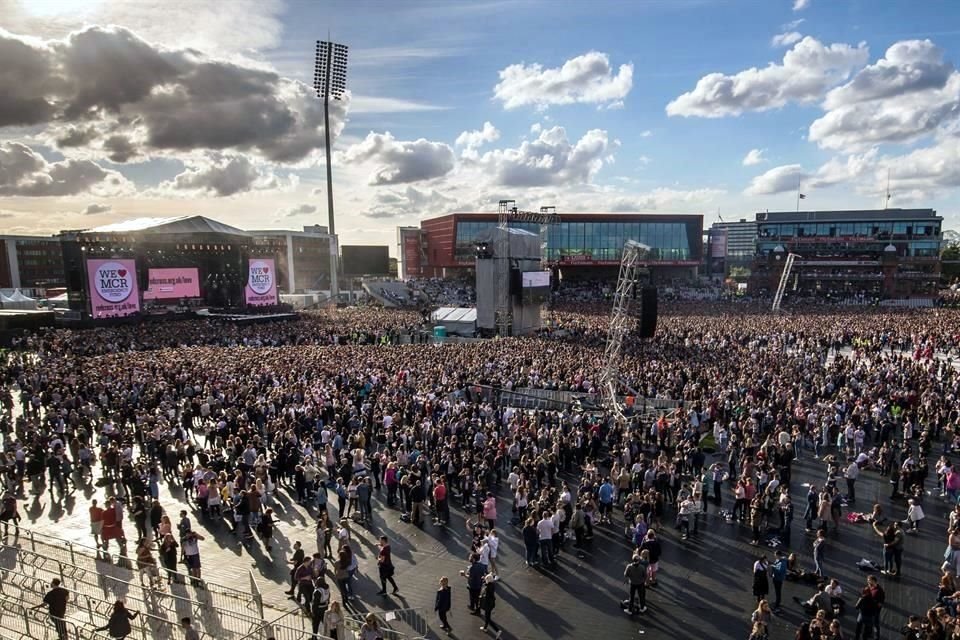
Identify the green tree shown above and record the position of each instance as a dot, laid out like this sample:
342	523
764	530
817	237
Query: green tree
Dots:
950	256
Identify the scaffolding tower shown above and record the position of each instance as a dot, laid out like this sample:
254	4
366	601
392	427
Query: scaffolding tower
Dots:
507	214
784	279
622	321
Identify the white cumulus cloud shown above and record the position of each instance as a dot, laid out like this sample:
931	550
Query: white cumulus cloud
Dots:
800	5
473	140
401	161
786	39
551	159
754	156
24	172
909	93
808	70
589	78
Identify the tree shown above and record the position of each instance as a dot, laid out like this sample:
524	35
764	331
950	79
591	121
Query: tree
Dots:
950	258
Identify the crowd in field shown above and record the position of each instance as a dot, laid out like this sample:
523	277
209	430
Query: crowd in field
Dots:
331	409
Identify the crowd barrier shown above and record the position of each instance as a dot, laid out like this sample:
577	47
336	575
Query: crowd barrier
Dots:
19	621
31	573
221	597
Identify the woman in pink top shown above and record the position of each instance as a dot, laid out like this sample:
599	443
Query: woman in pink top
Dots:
490	511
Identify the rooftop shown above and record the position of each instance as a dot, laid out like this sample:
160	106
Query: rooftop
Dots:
848	216
181	224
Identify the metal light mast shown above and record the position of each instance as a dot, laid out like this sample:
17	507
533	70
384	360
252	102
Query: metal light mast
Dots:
330	81
621	322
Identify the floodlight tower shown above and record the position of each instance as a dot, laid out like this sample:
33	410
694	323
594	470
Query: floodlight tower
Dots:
330	81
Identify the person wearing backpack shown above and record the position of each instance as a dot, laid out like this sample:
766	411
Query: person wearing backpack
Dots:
319	602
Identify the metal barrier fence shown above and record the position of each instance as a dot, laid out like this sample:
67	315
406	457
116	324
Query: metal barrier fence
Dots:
292	625
398	624
216	622
87	612
91	558
20	622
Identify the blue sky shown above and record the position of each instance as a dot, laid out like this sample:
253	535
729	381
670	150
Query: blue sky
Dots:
659	105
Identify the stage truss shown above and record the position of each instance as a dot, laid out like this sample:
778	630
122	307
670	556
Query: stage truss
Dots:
506	214
622	322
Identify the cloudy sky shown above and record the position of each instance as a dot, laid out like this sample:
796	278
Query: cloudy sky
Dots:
111	109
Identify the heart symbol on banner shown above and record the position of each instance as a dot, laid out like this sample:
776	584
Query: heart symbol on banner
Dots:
121	272
266	269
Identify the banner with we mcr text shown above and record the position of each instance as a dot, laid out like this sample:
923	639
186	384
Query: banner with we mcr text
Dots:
113	288
261	289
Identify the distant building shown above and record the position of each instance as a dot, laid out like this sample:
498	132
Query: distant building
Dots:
885	253
580	244
729	245
31	263
303	257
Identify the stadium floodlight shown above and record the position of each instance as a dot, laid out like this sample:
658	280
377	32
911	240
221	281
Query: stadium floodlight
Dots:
330	81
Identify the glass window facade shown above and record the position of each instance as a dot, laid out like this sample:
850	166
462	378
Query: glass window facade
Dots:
589	241
914	238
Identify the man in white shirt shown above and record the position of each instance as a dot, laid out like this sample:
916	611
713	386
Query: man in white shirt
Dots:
545	535
851	474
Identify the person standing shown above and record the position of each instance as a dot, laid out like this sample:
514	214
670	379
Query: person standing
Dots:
636	576
295	562
385	567
442	603
319	602
118	626
474	575
868	609
333	620
545	537
778	571
851	474
96	522
493	544
55	601
189	633
488	600
761	587
818	550
191	553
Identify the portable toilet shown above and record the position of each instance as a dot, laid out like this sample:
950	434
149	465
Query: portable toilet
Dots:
439	334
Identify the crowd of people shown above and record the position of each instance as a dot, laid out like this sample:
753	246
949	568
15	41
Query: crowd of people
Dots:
331	409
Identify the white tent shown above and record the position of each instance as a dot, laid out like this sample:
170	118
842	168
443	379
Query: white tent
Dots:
17	300
460	321
5	302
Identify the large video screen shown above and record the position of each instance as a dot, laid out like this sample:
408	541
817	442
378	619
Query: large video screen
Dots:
365	260
172	284
535	287
534	279
113	288
261	289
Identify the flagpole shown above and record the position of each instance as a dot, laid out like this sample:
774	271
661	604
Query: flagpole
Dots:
799	179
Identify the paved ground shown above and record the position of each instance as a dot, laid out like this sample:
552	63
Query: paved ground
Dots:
704	590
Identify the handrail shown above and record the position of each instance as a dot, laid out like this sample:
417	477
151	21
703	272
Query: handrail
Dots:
152	599
91	552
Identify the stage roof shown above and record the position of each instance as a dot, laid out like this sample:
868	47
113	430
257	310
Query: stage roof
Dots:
179	225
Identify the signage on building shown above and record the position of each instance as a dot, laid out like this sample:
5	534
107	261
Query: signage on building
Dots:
410	246
261	289
113	288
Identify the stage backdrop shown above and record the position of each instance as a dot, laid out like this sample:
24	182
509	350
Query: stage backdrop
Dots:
261	289
113	288
167	284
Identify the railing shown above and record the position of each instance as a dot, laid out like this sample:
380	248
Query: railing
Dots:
93	559
25	623
398	624
96	584
292	625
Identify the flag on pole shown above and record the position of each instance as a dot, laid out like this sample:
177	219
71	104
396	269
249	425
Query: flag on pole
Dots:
803	196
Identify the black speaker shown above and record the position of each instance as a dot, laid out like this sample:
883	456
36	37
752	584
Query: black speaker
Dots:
648	312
